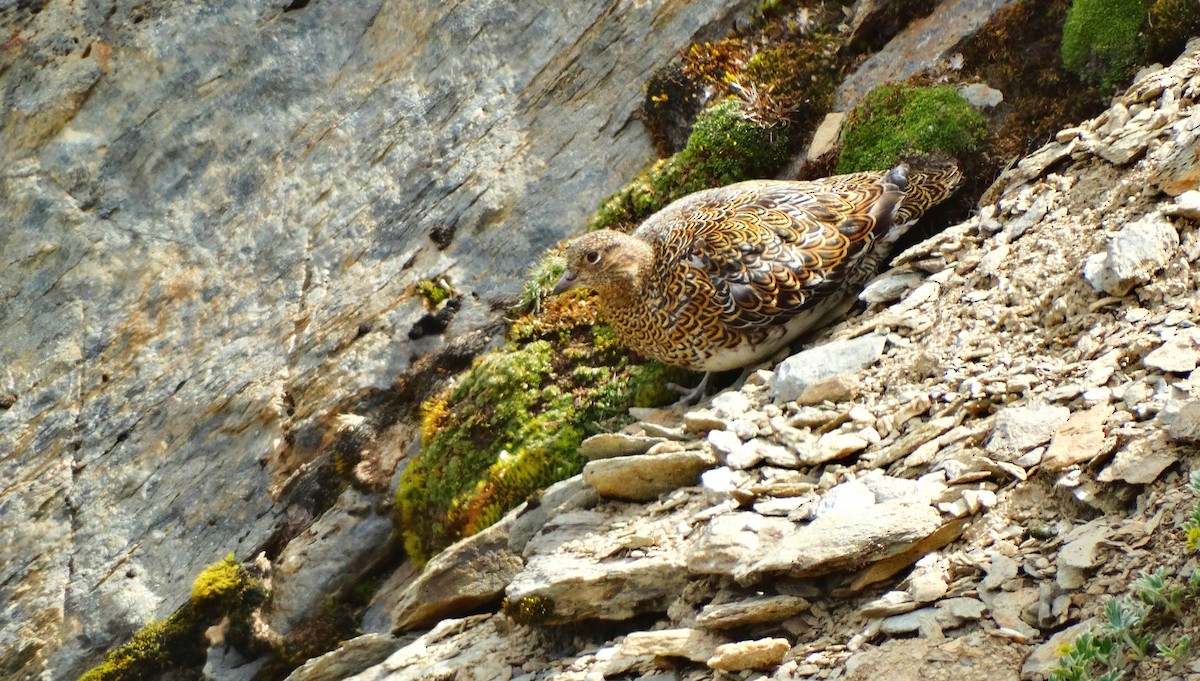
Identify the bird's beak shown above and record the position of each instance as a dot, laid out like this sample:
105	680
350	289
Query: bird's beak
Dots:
567	282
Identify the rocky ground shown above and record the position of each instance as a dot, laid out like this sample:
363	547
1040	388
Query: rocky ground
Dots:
949	485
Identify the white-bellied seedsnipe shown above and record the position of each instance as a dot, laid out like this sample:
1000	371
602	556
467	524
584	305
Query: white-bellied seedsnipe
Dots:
726	277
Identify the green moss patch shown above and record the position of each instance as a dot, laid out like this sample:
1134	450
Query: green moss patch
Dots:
1100	41
895	122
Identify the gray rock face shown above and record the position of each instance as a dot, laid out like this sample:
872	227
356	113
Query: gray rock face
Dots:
924	43
214	216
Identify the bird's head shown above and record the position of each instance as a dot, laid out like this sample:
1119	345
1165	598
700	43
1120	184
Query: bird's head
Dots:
604	260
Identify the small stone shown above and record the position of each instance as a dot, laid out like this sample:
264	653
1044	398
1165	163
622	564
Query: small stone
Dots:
890	603
799	371
1078	440
760	610
762	654
826	136
908	622
724	442
718	483
1187	205
696	645
1133	255
954	612
1016	430
1001	569
1178	355
773	454
890	286
1141	461
779	506
1182	419
833	446
644	477
981	96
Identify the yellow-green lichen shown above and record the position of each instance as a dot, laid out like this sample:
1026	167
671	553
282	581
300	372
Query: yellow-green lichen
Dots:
1100	42
895	122
530	610
219	581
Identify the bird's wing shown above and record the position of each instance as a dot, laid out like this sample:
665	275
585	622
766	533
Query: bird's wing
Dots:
767	250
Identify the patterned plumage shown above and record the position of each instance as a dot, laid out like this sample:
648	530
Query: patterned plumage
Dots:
725	277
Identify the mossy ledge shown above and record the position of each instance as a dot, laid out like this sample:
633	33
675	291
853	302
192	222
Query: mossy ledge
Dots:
223	589
513	423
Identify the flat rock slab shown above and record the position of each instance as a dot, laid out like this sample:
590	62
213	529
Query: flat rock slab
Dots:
467	575
925	42
1019	429
836	541
751	611
761	654
796	373
1078	439
696	645
608	445
1133	255
646	476
604	564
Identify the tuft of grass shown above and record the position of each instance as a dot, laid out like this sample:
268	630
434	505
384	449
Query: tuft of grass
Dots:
1100	42
434	291
895	122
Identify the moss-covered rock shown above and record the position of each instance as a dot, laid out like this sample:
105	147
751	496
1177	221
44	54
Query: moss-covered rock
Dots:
222	589
895	122
1100	42
513	424
725	146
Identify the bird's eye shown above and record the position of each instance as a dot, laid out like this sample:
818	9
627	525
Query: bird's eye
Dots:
592	257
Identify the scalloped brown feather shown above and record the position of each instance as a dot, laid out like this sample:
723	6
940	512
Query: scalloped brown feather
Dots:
726	277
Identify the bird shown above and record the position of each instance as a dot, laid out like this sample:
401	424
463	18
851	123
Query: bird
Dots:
724	278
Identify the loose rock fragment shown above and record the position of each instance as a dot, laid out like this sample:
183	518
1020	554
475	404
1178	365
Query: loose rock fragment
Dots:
644	477
746	611
803	369
1019	429
1133	255
762	654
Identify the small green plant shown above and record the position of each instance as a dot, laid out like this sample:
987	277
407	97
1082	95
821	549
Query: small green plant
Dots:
1100	42
1130	626
1177	653
434	291
894	122
540	281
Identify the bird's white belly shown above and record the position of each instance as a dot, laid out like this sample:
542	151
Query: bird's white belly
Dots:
748	353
